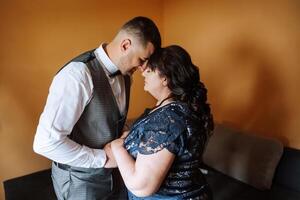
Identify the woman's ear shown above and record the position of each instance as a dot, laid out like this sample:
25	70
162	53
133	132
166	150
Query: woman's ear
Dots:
125	45
165	81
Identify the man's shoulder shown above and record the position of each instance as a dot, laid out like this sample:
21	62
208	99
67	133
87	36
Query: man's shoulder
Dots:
77	70
75	67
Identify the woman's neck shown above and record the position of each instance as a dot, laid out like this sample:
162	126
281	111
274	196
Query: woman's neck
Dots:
162	102
165	100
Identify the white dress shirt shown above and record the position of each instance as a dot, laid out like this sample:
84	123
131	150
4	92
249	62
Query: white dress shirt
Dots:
70	91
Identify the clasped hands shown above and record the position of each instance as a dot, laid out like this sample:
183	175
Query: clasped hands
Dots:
112	146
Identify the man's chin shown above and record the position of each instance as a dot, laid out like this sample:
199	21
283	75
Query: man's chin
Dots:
128	73
131	72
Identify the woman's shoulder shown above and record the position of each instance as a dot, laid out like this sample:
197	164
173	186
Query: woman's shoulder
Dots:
177	109
163	128
170	115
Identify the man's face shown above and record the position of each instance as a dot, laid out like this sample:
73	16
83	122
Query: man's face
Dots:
136	57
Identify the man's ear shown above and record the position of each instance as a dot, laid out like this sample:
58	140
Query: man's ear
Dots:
125	45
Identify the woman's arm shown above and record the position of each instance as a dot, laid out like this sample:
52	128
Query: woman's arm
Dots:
144	175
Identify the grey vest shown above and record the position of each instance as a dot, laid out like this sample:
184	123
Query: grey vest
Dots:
101	121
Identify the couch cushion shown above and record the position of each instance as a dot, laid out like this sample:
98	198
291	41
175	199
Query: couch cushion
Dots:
226	188
248	158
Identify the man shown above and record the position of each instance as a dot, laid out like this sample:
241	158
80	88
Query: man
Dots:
86	108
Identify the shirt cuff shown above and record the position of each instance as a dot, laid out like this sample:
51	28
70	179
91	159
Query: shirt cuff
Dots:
100	158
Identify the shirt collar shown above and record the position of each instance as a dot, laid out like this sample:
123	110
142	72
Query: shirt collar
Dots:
103	57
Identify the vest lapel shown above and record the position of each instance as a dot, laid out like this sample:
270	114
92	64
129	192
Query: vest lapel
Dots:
98	66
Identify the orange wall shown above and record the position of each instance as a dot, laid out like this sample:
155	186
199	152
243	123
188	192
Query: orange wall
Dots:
37	38
248	54
246	50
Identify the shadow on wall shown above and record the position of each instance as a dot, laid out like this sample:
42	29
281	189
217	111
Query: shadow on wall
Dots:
249	69
267	99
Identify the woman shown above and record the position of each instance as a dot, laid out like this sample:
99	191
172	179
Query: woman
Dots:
160	157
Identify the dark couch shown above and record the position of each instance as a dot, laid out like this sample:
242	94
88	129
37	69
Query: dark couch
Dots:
280	180
232	160
35	186
286	182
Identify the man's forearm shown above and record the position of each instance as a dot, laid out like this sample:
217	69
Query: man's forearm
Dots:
68	152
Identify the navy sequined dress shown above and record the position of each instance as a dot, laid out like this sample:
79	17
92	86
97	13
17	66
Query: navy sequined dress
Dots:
175	128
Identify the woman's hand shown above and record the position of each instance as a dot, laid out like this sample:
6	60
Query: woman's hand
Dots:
112	148
116	144
124	134
110	159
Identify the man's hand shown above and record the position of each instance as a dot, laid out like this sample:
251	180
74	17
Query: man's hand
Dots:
110	159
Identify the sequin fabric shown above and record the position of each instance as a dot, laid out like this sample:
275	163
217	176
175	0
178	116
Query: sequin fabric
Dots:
175	128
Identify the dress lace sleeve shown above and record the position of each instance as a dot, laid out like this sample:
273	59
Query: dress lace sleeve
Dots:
163	130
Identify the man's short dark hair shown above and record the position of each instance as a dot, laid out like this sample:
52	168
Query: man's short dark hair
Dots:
144	29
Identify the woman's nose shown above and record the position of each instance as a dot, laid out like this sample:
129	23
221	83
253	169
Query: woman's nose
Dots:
141	68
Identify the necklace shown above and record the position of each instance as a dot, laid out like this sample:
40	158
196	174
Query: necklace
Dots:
169	97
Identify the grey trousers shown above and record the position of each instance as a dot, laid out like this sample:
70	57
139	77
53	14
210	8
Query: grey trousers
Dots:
88	184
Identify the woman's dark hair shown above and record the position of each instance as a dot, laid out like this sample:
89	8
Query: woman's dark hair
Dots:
174	63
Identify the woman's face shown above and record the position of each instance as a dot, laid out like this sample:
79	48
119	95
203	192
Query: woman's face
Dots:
154	83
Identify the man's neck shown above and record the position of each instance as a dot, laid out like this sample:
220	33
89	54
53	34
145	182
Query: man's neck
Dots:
109	50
